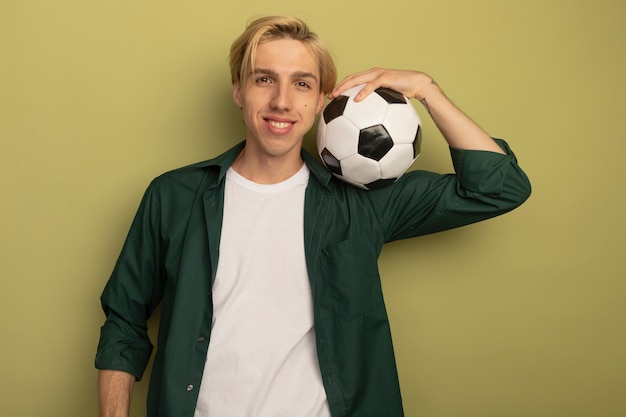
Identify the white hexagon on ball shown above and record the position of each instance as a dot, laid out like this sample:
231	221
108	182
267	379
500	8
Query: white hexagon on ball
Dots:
402	123
395	163
343	128
369	112
360	170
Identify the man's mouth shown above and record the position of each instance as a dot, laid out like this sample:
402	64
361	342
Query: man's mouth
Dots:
279	125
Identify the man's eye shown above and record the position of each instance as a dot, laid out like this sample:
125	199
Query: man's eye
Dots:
303	84
263	80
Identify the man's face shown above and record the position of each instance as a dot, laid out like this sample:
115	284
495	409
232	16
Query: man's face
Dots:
280	99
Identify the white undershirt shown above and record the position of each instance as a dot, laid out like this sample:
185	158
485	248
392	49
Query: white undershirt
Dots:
262	360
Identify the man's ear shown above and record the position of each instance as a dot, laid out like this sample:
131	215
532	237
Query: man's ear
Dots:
237	95
320	103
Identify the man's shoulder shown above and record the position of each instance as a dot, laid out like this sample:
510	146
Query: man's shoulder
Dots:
191	175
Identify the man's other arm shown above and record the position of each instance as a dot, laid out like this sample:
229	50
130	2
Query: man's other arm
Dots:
115	389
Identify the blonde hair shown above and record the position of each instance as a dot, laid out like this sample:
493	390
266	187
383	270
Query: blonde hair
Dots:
243	49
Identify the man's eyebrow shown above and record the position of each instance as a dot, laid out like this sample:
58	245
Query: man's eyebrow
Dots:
263	71
295	75
303	74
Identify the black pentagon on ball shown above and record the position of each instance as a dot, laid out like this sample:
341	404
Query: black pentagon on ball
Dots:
390	96
335	108
381	183
331	162
417	143
374	142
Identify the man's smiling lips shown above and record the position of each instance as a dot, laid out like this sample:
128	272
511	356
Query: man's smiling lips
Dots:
279	124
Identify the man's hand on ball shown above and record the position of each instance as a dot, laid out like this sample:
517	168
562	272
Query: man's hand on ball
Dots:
413	84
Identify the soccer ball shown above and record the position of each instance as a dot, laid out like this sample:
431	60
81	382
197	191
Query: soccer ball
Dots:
372	143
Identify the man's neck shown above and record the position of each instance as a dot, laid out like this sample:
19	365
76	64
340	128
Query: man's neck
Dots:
266	170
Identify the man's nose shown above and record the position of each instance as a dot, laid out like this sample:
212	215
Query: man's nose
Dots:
281	99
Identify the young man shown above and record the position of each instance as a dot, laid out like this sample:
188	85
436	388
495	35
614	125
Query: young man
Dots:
266	266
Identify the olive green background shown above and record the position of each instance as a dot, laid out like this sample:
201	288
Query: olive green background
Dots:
523	315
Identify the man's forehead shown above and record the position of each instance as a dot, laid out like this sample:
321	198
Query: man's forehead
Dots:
286	56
